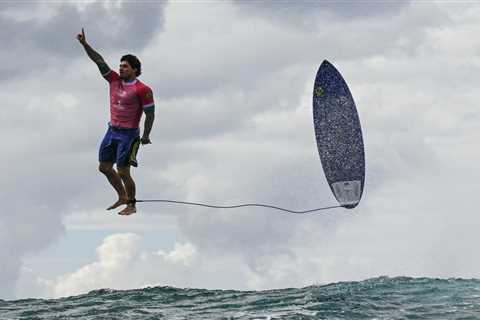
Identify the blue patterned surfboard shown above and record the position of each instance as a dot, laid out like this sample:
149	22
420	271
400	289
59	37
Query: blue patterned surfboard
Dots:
339	136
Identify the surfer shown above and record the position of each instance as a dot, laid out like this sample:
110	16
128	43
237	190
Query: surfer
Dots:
129	98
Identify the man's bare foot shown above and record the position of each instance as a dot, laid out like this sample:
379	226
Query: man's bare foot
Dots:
119	203
128	211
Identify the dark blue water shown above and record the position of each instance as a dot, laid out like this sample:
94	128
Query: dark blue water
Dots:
378	298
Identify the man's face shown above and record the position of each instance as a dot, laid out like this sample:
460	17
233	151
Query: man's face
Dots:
126	71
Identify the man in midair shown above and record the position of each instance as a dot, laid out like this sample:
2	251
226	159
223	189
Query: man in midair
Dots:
129	98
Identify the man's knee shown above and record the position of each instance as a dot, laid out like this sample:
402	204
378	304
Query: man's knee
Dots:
105	167
124	172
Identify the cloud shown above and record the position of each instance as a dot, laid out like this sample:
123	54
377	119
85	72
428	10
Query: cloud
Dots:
116	256
121	263
182	254
109	27
284	12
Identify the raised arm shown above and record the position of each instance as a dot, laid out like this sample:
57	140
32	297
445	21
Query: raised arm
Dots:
92	54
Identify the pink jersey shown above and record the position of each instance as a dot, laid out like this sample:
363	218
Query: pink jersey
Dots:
127	100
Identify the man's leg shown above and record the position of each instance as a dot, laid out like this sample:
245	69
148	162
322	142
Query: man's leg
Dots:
114	178
124	173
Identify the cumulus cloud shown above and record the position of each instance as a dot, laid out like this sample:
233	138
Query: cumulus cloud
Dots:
181	254
122	263
115	258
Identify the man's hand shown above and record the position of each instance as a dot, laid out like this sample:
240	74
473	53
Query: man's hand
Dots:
145	140
81	37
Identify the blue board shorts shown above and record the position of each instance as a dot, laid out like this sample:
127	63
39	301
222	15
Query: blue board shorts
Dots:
120	146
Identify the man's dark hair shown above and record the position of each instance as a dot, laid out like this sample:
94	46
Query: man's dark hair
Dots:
133	62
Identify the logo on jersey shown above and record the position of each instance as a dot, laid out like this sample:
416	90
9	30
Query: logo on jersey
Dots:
148	95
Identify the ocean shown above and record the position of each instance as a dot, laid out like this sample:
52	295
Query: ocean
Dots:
376	298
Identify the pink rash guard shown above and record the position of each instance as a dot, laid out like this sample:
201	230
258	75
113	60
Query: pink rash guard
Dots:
127	100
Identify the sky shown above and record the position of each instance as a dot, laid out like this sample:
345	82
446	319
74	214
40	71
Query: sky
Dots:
232	83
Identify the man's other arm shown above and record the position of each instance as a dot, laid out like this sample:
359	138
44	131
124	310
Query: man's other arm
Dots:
149	118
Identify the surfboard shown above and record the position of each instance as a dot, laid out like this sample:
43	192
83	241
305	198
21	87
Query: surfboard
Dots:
339	136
